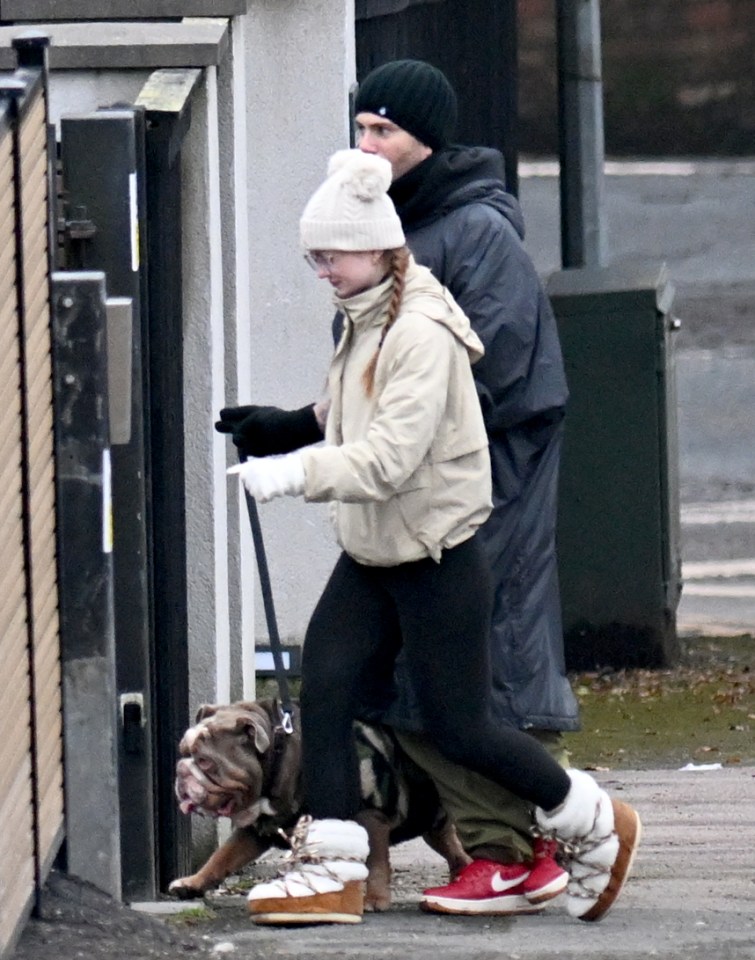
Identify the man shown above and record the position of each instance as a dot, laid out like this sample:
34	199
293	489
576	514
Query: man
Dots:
460	222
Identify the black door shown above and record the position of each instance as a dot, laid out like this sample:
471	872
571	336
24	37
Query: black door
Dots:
474	42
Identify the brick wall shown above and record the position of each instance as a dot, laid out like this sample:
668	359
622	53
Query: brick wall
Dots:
678	76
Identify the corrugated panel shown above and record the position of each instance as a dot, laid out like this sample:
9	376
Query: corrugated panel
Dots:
41	480
16	793
16	851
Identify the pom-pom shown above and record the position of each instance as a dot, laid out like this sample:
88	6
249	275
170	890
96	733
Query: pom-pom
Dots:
366	175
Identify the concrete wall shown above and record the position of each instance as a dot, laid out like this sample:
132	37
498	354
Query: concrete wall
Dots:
257	321
74	91
300	65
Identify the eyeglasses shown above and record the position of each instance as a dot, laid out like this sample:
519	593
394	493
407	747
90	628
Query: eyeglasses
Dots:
320	260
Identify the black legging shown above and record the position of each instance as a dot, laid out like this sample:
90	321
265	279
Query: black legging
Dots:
440	614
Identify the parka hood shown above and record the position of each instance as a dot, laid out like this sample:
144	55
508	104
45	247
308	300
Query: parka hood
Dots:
451	178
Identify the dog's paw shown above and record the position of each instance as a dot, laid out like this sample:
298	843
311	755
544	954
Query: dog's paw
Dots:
377	901
186	888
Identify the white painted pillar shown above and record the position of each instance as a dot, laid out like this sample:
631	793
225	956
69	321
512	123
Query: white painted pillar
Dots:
232	96
299	68
204	365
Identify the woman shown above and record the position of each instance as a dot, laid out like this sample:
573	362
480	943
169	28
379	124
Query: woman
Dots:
407	468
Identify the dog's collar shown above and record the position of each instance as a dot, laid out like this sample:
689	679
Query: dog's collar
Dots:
274	754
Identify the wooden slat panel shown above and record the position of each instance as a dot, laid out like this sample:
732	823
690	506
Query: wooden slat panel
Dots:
16	795
8	251
6	159
15	808
8	316
41	492
17	835
40	435
47	668
35	233
40	466
9	369
13	613
37	312
48	748
48	681
35	280
35	190
10	499
43	534
33	126
14	680
16	749
13	619
16	851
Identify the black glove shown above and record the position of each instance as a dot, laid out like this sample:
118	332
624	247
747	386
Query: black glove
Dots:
261	431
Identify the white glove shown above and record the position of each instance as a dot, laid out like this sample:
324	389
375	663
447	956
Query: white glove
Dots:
268	477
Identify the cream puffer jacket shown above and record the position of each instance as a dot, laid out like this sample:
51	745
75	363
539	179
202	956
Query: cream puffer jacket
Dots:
408	467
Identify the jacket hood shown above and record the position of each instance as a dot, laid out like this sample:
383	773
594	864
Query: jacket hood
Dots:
451	178
440	306
421	292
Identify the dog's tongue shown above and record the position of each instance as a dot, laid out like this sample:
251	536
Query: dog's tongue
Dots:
226	810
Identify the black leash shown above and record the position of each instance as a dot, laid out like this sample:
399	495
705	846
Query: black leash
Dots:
286	706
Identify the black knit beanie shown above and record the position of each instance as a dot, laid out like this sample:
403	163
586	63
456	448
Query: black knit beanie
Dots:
415	96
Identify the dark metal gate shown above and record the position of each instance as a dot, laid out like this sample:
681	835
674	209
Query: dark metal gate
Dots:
122	188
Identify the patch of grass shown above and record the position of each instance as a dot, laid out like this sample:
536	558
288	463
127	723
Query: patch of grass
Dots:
701	711
192	917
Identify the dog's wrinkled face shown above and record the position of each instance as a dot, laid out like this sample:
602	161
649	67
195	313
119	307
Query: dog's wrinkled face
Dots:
220	773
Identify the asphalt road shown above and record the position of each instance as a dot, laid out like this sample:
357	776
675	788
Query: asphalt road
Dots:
699	219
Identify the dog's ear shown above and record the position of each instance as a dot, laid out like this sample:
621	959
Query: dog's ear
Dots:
206	710
256	730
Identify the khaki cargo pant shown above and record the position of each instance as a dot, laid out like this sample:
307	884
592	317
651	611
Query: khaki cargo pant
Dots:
492	822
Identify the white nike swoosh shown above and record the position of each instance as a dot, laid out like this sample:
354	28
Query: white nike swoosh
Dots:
499	884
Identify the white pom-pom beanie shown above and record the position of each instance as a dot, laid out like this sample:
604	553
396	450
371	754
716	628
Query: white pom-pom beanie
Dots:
351	210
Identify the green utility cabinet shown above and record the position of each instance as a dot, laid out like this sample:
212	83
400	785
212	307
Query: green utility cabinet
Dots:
618	529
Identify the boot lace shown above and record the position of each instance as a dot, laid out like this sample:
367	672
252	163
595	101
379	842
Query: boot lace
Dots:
573	850
302	851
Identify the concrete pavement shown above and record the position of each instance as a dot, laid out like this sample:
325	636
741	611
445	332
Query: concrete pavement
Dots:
692	893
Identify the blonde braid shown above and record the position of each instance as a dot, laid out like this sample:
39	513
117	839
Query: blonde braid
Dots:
398	267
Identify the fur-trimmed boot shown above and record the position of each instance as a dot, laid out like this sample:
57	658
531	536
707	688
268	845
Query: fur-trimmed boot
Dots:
324	881
600	837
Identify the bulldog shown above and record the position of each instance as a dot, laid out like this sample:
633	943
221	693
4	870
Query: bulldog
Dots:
238	762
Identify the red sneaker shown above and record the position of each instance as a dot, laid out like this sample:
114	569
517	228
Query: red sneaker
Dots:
482	887
546	879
